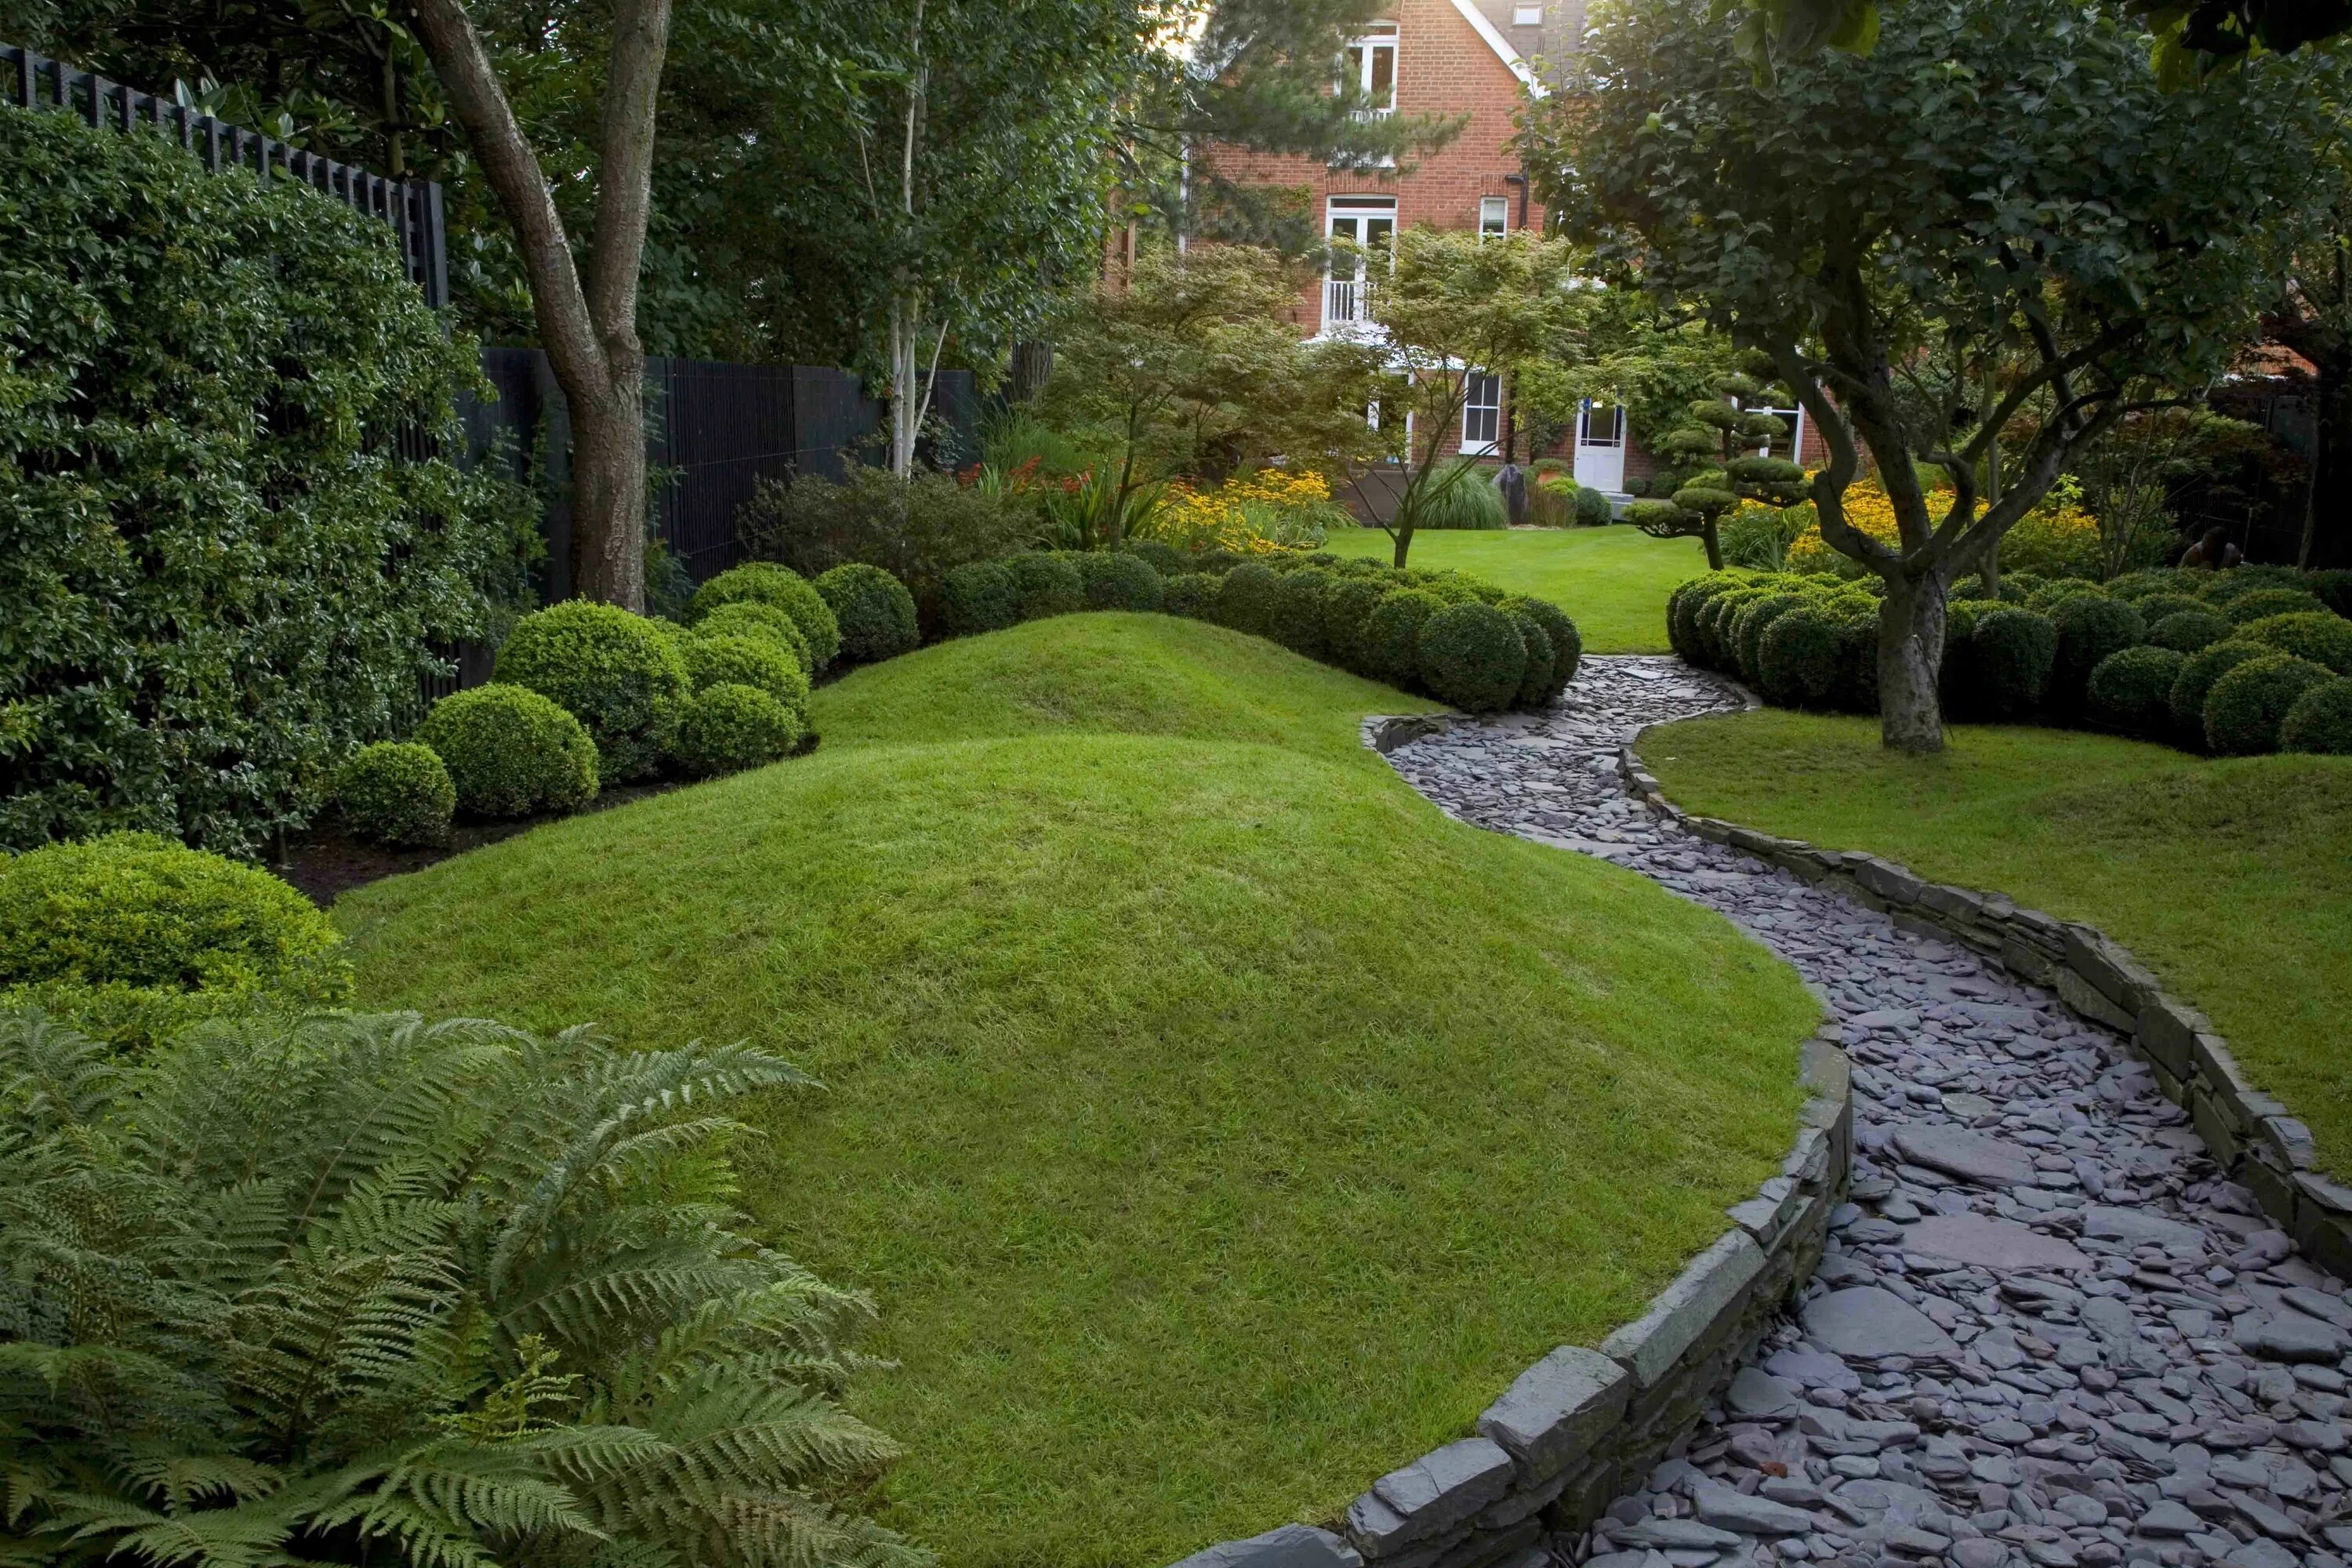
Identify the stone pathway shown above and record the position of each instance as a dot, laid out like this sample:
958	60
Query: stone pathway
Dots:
2044	1331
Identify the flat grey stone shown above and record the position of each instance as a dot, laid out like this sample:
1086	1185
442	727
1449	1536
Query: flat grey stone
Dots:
1726	1508
1556	1409
1970	1156
1292	1546
2103	1222
1755	1394
1810	1369
1446	1485
2261	1553
1996	1243
1675	1535
1685	1310
1865	1320
2169	1518
2290	1337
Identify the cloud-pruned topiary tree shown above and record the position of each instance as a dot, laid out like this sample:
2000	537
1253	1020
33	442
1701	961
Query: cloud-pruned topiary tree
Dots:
1722	455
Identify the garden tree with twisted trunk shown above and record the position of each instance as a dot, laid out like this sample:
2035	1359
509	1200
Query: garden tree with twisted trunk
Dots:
1995	171
587	316
1445	305
1728	441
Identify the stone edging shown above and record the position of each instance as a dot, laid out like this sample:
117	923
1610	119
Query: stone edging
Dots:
2250	1134
1565	1438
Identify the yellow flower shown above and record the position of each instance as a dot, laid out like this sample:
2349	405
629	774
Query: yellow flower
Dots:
1263	513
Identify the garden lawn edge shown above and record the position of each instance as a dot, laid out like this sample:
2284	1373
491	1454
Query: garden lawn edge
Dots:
1566	1437
2250	1134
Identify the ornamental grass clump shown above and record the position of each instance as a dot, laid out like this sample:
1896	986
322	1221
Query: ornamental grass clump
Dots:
510	752
620	675
874	610
1473	656
396	793
766	582
2248	704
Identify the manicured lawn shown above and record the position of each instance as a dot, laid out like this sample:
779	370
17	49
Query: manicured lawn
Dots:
1215	1124
2232	879
1613	581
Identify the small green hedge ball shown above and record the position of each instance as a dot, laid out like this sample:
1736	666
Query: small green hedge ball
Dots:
1160	556
1390	645
2090	629
2012	651
1796	659
979	596
1044	585
1121	581
1566	642
2185	631
1473	656
2131	690
2247	707
1535	677
619	674
2205	667
1193	594
2320	721
2319	635
747	661
874	610
395	792
770	584
1348	602
757	618
510	752
727	727
1248	598
1298	610
2261	604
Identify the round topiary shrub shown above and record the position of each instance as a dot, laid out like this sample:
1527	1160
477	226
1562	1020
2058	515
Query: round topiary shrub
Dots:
1715	623
770	584
1390	645
1592	509
1566	642
1298	610
2090	629
874	610
756	618
1044	585
2153	607
1163	558
2046	598
510	752
2262	603
747	661
2203	668
1348	600
2012	651
2320	721
1246	600
1749	625
1473	656
2138	587
1684	604
2131	690
395	793
1857	680
618	674
1121	581
2319	635
2221	588
727	727
1193	594
979	596
1535	675
2244	710
2185	631
2335	589
1797	658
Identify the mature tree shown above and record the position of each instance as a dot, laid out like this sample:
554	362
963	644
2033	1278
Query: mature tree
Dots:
1446	306
1995	173
1721	446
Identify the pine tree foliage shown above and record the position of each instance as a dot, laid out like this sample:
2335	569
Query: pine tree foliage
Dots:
372	1289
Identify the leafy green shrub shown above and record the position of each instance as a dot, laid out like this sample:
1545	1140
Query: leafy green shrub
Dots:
2222	588
412	1294
1044	585
2248	703
2319	635
510	752
2131	690
2153	607
2320	721
1247	601
1535	674
764	581
1161	557
1348	602
2335	589
618	674
2205	667
1718	619
874	610
979	596
1655	513
395	793
1473	656
1297	611
138	936
2138	587
754	618
1566	642
1759	536
1592	509
728	727
1193	594
1684	604
2013	651
1857	682
1463	497
2264	604
2090	627
1749	623
2185	631
1390	645
220	574
2045	599
916	530
1120	581
747	661
1796	657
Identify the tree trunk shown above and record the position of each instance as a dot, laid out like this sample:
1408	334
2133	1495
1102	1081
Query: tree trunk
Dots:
608	483
1713	539
1910	654
906	401
1032	367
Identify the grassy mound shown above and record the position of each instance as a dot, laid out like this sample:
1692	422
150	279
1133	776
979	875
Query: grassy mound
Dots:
1615	581
2232	879
1216	1123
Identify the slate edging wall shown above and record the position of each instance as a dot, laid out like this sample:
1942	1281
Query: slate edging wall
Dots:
1574	1429
2250	1134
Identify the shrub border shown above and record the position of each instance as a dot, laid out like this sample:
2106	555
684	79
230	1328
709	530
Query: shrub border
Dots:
1567	1436
2251	1135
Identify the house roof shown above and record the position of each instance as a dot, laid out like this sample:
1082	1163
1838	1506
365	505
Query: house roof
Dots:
1501	46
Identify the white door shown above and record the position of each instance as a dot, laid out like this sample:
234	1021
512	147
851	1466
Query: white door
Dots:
1600	446
1365	225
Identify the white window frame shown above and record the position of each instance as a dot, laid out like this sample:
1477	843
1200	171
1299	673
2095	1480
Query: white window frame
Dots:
1493	216
1476	416
1796	418
1527	16
1363	57
1343	297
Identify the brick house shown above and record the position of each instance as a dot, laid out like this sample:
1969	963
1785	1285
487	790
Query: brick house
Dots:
1452	58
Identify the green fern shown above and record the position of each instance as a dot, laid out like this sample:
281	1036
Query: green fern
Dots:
371	1289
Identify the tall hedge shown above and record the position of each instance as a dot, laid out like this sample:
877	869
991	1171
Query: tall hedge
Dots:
216	573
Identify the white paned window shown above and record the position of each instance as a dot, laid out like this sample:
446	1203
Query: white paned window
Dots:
1482	414
1372	63
1493	216
1526	16
1361	227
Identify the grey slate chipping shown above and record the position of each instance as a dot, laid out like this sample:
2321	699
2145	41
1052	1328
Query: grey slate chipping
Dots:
1682	1312
1555	1412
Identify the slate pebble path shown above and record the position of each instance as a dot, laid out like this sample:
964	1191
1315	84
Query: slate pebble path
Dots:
2044	1331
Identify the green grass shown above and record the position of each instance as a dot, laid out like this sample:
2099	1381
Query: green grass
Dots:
2232	879
1613	581
1217	1125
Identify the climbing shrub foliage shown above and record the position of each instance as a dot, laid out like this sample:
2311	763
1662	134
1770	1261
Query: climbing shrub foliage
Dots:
216	573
